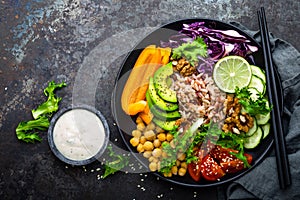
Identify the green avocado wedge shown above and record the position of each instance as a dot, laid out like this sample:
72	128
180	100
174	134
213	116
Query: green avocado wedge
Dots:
166	125
159	102
161	114
161	83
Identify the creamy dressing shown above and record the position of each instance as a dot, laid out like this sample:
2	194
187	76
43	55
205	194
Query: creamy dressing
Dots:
78	134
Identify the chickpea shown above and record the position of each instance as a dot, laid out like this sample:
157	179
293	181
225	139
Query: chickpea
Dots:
183	165
157	143
158	165
134	141
181	171
140	126
147	154
169	174
169	137
181	156
156	152
140	148
153	159
138	120
153	166
164	154
142	140
172	144
161	137
136	133
149	135
150	126
174	170
148	146
159	130
178	163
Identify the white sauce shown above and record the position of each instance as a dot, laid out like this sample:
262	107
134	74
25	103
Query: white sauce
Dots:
78	134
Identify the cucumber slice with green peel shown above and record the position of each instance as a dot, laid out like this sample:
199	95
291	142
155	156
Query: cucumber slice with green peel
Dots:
266	129
257	83
253	129
263	119
259	72
253	141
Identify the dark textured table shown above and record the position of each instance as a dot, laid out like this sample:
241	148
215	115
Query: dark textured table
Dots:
79	41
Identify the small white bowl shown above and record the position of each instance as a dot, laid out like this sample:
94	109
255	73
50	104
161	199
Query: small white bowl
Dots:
78	135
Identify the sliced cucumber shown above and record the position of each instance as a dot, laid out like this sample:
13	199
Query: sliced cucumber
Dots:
257	83
253	129
266	129
262	119
257	71
253	141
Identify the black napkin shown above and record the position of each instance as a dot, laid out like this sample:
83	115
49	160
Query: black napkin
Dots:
262	182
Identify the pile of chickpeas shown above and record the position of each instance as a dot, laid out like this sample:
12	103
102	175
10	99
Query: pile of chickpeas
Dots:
148	140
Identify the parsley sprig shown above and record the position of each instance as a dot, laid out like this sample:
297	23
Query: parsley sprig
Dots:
117	162
259	106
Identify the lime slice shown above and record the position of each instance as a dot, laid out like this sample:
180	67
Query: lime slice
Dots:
231	72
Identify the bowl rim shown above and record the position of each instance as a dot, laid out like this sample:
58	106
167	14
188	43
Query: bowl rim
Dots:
53	147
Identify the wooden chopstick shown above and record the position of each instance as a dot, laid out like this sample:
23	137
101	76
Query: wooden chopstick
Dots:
280	149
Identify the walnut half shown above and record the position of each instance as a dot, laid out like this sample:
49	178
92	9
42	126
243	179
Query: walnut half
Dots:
183	67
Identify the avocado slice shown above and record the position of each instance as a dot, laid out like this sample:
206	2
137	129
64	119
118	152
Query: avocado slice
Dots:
161	114
161	83
159	102
166	125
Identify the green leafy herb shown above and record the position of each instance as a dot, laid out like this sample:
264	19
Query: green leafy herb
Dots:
191	50
118	162
198	139
234	141
260	106
182	142
51	105
24	129
27	131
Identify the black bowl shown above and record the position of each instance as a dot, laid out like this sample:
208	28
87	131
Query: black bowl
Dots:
69	160
127	123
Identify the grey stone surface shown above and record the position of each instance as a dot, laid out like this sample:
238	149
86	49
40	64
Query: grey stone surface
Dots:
79	41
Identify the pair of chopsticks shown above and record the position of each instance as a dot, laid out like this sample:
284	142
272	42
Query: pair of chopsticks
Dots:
280	149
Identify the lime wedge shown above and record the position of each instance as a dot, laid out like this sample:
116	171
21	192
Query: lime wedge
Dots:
231	72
